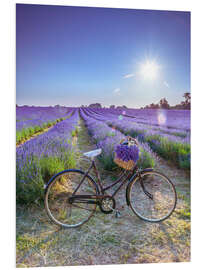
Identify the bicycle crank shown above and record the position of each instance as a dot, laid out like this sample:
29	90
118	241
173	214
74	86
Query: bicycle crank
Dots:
107	205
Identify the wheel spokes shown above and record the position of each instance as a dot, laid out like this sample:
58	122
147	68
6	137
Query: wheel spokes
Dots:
58	206
163	201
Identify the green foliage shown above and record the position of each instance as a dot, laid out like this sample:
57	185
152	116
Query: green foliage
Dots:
110	238
29	181
184	158
145	159
74	133
180	134
177	152
107	161
107	155
25	242
50	166
175	133
184	213
26	133
110	134
69	159
32	176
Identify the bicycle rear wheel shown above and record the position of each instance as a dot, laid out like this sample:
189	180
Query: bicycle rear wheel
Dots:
162	201
57	195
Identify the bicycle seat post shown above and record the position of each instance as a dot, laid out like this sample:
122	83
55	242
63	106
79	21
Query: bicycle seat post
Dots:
86	173
97	175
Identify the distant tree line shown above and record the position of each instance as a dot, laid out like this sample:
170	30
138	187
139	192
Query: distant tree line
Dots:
163	104
98	105
95	105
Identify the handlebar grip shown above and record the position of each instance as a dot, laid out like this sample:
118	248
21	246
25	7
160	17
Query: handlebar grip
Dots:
126	142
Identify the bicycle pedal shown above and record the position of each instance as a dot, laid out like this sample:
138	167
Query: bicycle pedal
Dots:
118	214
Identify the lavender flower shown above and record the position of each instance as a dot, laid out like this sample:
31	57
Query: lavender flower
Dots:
127	153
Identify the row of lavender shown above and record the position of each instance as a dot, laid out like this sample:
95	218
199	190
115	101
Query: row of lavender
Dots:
183	136
43	156
30	120
24	113
171	144
107	138
178	119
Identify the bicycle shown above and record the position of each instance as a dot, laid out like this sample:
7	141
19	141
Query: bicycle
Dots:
71	196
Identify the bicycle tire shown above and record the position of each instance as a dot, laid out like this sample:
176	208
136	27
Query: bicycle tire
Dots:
59	189
164	200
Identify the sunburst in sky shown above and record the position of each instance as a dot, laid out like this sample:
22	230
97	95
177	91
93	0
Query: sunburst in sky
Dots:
80	55
149	70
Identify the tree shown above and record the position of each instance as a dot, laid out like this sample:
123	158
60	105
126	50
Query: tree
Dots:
153	106
95	105
187	97
112	107
182	103
164	104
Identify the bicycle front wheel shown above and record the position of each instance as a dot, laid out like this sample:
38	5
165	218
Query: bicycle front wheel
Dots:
57	195
152	197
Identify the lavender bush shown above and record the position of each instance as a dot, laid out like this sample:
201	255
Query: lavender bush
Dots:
30	120
39	158
164	141
108	138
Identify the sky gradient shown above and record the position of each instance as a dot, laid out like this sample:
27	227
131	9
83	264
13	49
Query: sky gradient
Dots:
81	55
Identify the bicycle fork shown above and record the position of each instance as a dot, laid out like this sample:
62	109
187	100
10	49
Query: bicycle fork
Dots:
144	189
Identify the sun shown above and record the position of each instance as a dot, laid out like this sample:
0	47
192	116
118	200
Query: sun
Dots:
149	70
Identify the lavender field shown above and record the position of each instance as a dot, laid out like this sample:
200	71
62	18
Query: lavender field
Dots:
64	134
159	133
92	77
31	120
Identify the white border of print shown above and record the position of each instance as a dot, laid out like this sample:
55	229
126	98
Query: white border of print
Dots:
7	113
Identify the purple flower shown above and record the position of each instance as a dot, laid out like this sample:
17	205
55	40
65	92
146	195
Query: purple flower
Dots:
126	153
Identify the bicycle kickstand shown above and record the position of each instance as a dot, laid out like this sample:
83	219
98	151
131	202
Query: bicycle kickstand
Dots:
117	212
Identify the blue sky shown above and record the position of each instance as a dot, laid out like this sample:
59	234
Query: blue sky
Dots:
79	55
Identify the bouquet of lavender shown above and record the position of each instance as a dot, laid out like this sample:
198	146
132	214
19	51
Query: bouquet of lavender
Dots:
126	155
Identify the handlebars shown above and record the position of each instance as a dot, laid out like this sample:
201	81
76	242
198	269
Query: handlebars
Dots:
129	141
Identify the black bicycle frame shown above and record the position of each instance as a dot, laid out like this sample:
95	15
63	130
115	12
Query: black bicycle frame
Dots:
128	177
102	189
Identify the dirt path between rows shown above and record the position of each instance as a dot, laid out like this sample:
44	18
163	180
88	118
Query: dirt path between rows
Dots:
105	239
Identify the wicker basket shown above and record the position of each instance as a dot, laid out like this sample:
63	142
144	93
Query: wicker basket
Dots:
126	156
127	165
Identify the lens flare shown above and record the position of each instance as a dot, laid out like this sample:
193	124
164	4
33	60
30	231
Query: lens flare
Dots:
161	118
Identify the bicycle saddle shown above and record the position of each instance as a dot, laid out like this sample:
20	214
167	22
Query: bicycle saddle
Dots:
93	153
